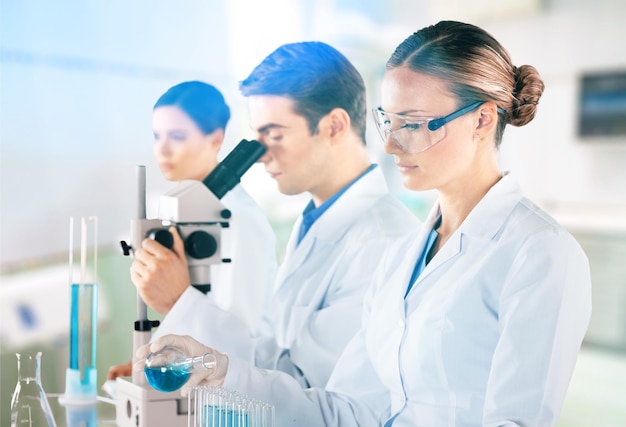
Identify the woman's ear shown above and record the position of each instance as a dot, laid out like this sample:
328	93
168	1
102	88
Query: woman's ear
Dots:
488	117
216	138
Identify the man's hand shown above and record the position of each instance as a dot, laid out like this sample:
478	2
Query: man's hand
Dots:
160	274
115	371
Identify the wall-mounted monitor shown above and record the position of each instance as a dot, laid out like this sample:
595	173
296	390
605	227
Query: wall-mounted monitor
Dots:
602	106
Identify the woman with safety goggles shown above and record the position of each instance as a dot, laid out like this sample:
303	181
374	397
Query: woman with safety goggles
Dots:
496	294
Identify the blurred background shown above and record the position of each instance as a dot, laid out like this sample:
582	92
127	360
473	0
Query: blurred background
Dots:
78	80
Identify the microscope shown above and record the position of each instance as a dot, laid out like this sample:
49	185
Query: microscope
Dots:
195	209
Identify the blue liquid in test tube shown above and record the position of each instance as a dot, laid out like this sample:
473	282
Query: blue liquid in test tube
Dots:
216	416
81	375
83	332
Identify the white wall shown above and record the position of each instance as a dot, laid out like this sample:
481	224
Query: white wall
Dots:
555	165
77	86
78	83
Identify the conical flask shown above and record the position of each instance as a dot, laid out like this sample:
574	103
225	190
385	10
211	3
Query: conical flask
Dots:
29	405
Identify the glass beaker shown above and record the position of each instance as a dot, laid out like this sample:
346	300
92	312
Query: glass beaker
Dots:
29	405
168	369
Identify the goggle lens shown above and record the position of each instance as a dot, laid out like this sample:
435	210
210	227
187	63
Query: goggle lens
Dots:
410	134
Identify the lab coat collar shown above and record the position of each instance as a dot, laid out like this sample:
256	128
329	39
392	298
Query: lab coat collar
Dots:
356	201
496	205
334	223
331	226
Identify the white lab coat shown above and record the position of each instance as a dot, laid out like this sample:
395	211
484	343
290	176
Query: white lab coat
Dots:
241	288
321	284
317	303
488	335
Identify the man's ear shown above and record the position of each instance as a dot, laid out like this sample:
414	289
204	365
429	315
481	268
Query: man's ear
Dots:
338	122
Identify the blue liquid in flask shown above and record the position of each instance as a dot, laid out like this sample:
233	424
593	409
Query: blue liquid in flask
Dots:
168	369
167	378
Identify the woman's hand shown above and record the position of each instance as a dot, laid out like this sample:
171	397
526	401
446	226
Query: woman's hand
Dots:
192	348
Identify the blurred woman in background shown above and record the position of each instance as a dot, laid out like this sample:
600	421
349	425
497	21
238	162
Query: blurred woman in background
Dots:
189	122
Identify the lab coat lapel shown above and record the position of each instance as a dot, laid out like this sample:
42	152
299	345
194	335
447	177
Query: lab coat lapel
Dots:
295	253
400	274
355	202
495	205
449	250
417	249
334	223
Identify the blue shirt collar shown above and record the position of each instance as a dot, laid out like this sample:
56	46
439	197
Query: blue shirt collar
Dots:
311	213
420	265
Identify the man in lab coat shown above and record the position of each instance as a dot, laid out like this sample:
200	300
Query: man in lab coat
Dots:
307	105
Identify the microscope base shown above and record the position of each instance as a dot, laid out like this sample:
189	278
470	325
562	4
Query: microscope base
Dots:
142	406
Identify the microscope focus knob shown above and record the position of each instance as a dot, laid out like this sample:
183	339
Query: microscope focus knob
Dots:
200	244
162	236
126	248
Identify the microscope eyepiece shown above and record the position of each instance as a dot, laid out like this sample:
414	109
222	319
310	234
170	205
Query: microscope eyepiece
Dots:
229	171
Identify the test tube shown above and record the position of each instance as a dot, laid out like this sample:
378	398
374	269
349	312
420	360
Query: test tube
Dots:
211	406
81	375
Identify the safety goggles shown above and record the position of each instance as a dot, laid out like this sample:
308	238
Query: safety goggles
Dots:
413	134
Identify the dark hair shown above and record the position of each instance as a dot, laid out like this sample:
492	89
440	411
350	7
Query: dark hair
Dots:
317	77
477	68
202	102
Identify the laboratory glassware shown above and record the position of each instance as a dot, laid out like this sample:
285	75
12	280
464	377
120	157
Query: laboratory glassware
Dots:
29	405
212	406
81	374
169	368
